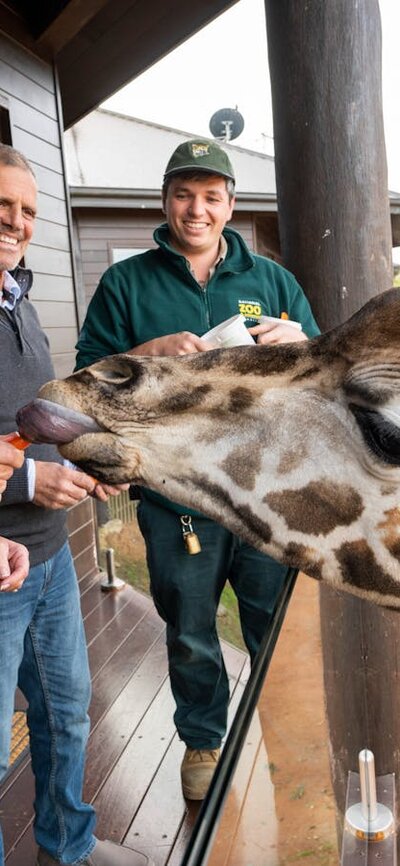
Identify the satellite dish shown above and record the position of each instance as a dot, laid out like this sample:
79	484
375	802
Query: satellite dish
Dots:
226	124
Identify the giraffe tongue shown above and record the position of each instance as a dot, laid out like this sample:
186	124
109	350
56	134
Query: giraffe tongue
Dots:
44	421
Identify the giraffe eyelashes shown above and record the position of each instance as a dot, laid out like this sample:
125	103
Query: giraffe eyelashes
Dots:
382	436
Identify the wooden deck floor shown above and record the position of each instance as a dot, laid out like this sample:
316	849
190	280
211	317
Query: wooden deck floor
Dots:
134	754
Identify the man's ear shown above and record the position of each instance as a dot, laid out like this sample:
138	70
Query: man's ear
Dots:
163	204
232	204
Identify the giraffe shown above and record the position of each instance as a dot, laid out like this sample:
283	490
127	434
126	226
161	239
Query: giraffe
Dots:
296	448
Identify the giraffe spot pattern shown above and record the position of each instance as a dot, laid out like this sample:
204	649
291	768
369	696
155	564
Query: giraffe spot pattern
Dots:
240	399
184	400
360	569
291	459
243	467
322	505
391	531
302	557
257	529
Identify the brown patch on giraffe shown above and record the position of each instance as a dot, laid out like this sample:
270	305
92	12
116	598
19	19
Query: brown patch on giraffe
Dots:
360	569
181	401
302	557
263	360
391	531
240	398
259	529
243	467
207	360
291	459
330	504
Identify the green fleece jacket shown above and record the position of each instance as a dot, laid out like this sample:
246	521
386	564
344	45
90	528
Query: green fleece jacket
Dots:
155	294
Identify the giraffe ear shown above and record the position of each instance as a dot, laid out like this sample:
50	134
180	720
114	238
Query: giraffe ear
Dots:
380	434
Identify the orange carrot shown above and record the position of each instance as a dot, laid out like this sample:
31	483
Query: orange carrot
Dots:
16	440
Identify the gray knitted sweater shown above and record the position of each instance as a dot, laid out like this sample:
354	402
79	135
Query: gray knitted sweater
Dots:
25	366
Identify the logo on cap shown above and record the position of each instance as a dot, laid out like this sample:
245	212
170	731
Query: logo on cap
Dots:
200	150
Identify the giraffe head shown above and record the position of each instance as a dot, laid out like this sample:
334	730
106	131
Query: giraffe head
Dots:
295	448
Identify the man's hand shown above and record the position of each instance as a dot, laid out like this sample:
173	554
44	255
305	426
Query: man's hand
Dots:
104	491
272	333
10	459
14	565
59	487
183	343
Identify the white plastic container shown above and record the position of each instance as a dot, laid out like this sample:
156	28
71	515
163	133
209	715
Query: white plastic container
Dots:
281	321
232	332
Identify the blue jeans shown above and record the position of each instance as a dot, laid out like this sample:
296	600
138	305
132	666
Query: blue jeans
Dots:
186	591
43	650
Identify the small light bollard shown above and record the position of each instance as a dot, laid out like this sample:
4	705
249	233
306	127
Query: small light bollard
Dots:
111	582
369	820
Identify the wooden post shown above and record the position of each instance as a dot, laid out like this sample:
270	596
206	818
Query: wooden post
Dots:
325	63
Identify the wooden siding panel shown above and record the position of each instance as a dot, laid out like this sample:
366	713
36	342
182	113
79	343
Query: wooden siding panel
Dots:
116	232
21	87
56	315
62	340
37	150
51	287
96	267
24	62
48	261
64	364
49	234
28	118
28	90
53	209
49	182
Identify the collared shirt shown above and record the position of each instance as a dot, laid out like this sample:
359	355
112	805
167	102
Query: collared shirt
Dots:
222	252
9	295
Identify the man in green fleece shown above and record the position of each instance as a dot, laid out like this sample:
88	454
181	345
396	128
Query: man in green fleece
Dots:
160	303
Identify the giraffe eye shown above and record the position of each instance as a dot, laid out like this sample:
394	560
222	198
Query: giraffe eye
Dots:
380	434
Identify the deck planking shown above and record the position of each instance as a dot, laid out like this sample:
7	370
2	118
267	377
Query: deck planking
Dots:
134	754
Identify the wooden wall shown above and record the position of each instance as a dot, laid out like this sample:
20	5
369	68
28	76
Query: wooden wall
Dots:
99	230
28	91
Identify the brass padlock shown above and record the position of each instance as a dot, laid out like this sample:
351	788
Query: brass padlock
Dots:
190	538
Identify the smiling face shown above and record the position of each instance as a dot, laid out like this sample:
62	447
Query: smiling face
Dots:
295	448
196	212
18	196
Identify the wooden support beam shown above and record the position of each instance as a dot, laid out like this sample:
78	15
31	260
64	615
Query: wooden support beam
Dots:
68	24
325	62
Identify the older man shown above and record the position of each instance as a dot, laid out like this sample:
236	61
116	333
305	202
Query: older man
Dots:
42	642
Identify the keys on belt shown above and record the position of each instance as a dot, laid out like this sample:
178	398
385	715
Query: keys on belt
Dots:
190	538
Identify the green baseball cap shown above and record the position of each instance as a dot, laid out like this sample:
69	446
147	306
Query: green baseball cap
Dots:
200	155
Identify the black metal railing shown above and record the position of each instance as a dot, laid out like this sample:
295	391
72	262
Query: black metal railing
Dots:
207	820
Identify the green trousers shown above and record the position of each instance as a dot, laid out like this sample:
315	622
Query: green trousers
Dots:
186	591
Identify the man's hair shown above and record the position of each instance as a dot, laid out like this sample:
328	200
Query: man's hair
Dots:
12	157
197	175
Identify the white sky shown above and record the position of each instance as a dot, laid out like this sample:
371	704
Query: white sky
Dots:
225	65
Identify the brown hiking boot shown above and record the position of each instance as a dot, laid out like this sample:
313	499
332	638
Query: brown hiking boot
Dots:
197	769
